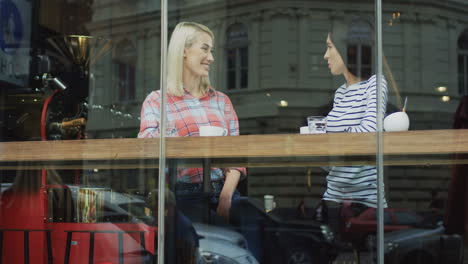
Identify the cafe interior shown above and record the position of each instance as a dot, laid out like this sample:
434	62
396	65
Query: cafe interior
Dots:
82	182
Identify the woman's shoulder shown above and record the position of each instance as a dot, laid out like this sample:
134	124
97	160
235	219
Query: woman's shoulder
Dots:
373	80
154	96
366	85
217	93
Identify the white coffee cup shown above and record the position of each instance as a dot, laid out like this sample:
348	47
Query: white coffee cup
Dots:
317	124
304	130
212	131
269	202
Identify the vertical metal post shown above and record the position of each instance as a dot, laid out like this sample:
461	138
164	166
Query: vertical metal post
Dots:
1	246
26	247
49	248
143	246
162	138
91	248
207	188
379	158
121	246
67	247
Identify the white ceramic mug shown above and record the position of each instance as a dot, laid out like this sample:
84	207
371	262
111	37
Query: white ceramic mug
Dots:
269	202
212	131
317	124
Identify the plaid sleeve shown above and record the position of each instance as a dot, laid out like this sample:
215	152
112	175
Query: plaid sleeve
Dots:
233	123
150	116
231	117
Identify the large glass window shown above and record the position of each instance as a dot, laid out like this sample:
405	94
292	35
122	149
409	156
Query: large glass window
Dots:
423	53
211	131
68	83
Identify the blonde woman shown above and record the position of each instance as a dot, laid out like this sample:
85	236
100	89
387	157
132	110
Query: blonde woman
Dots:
191	103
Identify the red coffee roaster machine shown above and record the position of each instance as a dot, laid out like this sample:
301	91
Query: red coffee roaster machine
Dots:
71	223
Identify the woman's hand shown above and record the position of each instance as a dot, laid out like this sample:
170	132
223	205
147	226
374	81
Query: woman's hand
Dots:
225	198
224	205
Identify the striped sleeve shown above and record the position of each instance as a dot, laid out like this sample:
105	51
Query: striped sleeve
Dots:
368	122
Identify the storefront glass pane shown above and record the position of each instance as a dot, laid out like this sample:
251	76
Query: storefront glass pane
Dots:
271	67
424	47
77	186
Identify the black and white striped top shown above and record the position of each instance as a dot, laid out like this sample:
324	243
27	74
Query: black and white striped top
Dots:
355	110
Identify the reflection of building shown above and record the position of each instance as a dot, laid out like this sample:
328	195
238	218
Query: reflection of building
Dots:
267	52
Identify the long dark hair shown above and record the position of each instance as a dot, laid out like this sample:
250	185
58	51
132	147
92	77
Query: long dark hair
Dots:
361	34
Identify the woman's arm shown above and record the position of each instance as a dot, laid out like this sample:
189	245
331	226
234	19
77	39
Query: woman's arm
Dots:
369	121
233	128
232	175
225	198
150	116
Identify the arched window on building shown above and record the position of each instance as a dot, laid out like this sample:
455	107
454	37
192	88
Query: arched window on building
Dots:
463	63
359	48
124	62
237	58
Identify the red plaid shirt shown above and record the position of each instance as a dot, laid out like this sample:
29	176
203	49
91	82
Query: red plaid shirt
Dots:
184	117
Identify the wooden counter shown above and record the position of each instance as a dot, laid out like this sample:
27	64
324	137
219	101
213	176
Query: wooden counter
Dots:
400	148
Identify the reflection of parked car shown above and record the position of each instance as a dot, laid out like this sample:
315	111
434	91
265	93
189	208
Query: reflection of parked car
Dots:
216	244
117	213
69	203
283	237
362	228
423	244
288	239
222	245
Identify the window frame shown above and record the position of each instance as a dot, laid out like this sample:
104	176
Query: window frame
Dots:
240	49
124	62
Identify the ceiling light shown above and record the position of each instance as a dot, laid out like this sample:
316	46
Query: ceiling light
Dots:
445	98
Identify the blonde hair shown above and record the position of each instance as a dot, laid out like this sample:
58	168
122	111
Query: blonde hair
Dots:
183	36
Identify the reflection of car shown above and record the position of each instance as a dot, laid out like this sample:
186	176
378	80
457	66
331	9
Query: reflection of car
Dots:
423	244
291	240
362	228
120	214
217	244
106	204
283	238
222	245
